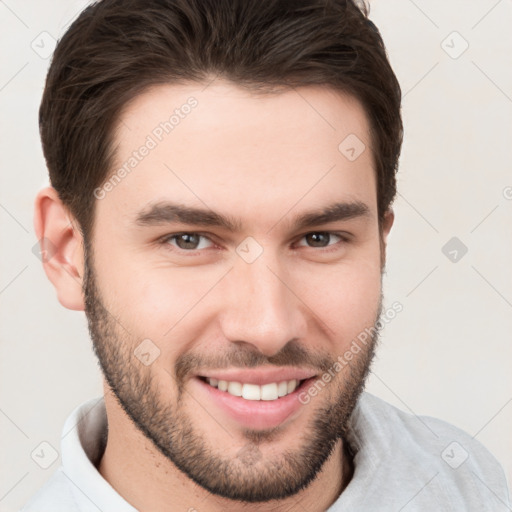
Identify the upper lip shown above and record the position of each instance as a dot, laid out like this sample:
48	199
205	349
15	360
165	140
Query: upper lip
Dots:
259	376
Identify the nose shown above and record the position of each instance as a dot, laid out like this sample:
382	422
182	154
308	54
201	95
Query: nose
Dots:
260	308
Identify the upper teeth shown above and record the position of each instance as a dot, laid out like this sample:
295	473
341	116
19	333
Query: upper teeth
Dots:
254	392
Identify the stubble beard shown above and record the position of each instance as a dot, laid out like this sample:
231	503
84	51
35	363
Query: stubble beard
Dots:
249	476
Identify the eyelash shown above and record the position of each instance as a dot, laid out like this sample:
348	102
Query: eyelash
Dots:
167	238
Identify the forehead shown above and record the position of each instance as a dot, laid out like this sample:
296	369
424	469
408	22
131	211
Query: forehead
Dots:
228	148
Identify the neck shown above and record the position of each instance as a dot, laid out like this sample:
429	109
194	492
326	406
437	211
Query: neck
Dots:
149	481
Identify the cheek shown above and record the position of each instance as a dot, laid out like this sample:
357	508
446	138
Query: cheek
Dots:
347	301
165	299
165	305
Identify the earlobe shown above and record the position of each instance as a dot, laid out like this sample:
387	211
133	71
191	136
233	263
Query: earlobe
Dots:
387	223
61	244
389	219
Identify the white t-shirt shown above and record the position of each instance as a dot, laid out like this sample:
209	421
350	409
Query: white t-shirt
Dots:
402	462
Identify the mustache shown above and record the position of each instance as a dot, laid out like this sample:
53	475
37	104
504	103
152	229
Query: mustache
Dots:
292	354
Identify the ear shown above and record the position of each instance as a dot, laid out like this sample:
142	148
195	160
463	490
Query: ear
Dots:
385	228
61	244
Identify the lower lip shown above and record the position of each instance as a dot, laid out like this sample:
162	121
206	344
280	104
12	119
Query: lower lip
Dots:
254	414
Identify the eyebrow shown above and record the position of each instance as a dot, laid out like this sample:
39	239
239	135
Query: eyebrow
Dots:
165	212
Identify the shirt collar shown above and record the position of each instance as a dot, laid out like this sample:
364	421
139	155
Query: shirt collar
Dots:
85	433
82	444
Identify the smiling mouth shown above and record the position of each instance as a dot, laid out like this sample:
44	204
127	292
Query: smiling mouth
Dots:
269	392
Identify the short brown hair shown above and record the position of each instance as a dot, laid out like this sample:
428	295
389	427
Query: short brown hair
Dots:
117	48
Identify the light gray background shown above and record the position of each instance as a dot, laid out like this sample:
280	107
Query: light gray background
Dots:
448	354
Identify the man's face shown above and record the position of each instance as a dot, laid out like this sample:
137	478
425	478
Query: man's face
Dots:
181	307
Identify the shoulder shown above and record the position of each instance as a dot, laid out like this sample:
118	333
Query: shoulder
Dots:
428	435
56	495
429	447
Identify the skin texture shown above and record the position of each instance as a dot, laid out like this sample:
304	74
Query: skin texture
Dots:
262	160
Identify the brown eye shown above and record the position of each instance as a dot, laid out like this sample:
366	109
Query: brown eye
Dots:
187	241
320	238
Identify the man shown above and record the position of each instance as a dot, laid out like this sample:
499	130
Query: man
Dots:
222	177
